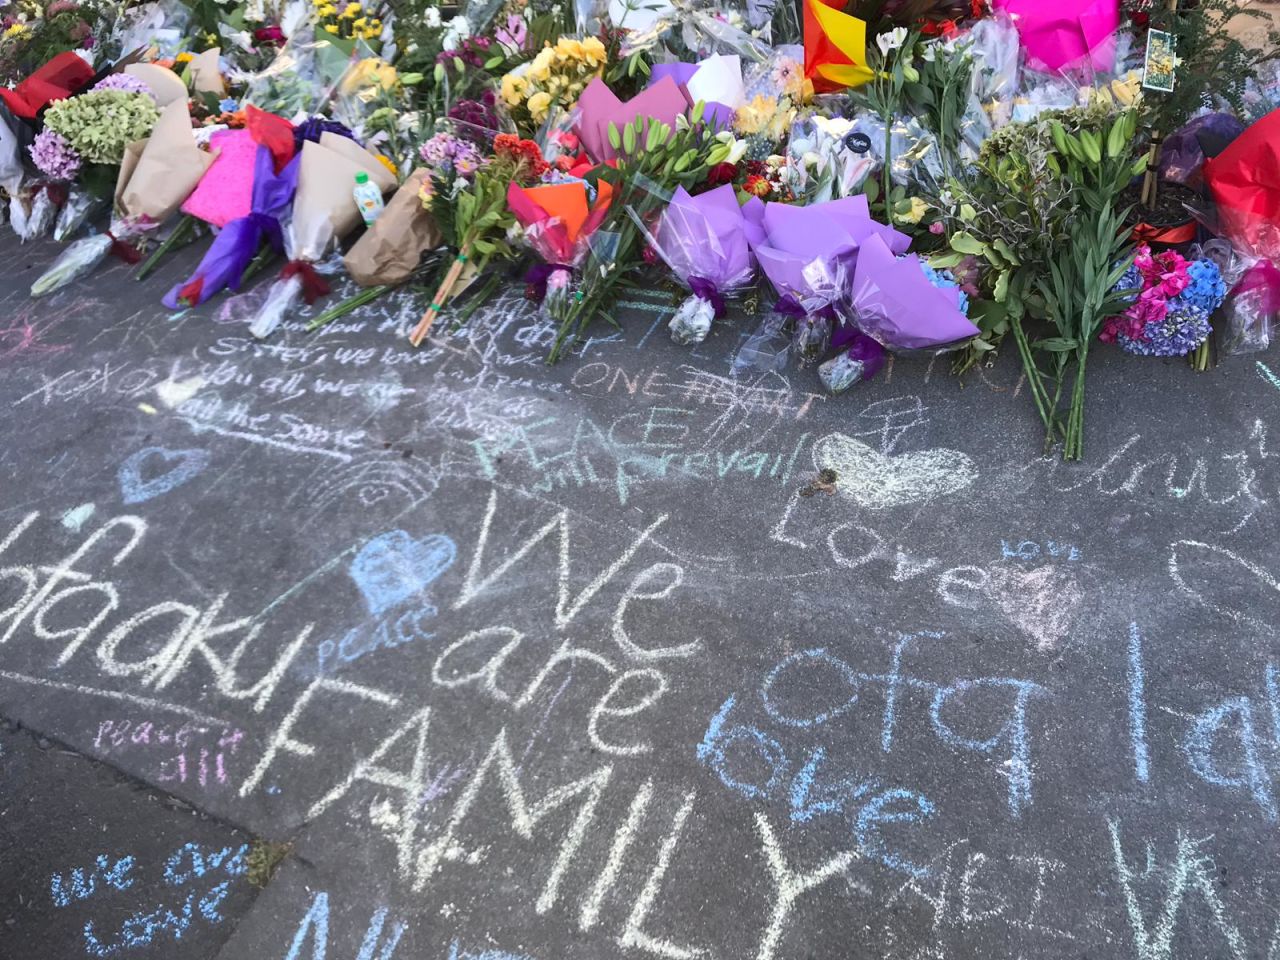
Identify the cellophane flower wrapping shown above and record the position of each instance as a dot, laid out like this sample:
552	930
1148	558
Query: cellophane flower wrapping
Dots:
32	216
702	240
324	212
80	206
83	256
282	298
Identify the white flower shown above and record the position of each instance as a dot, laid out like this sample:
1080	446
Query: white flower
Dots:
833	126
458	30
892	40
930	52
737	151
811	159
432	17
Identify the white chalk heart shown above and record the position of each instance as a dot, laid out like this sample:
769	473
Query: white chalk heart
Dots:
877	482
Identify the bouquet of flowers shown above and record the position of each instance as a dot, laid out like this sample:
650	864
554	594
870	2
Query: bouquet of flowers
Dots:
1170	302
703	240
156	175
560	221
324	212
86	136
468	196
556	76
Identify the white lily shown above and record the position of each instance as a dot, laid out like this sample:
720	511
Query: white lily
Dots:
891	40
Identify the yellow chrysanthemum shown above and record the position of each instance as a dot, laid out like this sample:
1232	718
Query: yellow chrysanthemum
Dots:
352	10
330	28
183	58
15	30
391	167
567	48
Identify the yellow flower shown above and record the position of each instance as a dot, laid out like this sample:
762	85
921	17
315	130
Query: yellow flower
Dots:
370	72
540	67
327	10
593	51
514	89
183	58
15	30
330	28
351	10
914	213
567	48
391	167
538	105
359	23
755	116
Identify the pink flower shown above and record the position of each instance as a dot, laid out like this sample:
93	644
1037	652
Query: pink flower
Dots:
937	228
514	34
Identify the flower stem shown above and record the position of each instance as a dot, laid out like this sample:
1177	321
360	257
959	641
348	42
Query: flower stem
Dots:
1073	449
351	303
175	239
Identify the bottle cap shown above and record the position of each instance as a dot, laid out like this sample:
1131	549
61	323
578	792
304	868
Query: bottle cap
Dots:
362	177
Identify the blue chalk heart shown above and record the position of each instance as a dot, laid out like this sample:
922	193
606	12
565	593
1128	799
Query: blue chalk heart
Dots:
393	567
183	465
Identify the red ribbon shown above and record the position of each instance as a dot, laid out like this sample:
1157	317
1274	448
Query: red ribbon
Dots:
124	250
1169	236
314	286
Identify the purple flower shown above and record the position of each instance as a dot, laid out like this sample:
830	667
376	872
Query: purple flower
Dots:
54	156
514	34
125	82
1180	332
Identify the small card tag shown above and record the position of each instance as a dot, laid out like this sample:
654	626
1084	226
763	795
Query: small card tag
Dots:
1160	62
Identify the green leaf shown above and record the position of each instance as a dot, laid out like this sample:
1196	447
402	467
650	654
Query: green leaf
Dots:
945	261
965	242
1055	345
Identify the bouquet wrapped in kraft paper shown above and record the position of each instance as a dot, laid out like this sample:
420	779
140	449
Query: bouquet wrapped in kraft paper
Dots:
156	175
390	250
324	212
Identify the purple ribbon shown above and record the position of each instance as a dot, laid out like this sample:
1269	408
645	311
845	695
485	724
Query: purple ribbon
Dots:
791	307
229	255
704	289
860	347
535	280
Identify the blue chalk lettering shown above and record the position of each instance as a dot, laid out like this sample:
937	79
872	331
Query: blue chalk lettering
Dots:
212	900
894	683
714	729
1200	749
875	813
83	883
768	749
316	925
1014	731
805	805
374	933
456	953
818	655
183	466
1138	706
393	567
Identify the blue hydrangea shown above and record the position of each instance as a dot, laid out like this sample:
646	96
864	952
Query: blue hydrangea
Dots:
1206	290
945	280
228	105
1130	285
1184	328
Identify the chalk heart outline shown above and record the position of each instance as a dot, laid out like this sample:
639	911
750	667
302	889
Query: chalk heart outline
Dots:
393	566
184	465
878	482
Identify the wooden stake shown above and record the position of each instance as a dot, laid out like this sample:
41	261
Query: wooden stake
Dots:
438	301
1150	182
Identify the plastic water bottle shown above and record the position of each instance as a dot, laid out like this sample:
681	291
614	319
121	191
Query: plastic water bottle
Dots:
368	199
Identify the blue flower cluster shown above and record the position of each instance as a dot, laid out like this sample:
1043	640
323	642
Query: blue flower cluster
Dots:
1184	328
1130	285
1206	290
945	280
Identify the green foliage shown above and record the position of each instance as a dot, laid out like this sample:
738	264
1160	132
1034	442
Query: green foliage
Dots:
1213	64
